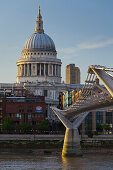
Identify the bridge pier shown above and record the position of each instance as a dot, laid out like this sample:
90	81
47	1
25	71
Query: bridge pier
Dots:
71	146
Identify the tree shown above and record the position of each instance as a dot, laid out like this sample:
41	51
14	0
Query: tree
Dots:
43	125
106	126
7	124
25	127
99	127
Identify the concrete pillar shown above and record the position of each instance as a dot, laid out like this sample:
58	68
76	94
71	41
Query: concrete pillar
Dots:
71	146
93	121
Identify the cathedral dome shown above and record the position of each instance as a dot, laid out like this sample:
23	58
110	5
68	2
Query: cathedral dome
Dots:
39	42
39	62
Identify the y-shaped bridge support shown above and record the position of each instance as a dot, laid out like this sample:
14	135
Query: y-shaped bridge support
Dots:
71	146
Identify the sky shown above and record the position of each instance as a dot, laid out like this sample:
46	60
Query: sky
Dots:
82	31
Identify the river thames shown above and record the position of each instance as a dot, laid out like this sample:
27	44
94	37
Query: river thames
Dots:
56	162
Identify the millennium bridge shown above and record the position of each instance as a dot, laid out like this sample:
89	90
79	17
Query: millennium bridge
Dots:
92	97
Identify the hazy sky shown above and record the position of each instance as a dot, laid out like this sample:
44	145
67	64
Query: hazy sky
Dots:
82	31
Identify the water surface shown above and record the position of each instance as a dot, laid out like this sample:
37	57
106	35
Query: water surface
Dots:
49	162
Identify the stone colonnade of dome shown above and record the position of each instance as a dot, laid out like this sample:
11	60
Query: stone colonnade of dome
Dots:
39	69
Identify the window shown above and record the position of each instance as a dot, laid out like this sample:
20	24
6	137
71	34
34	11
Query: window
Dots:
38	69
99	118
46	69
29	116
29	109
42	69
18	115
45	93
21	108
34	53
109	117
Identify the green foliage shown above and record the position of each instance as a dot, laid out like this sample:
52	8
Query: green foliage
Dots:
7	124
99	127
43	125
25	127
88	126
96	133
106	126
90	134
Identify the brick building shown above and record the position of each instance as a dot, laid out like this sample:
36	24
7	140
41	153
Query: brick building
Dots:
23	109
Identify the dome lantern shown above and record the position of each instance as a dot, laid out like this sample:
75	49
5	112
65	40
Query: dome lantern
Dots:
39	23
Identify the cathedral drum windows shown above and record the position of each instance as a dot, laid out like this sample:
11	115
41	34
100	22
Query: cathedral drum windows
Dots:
38	69
42	69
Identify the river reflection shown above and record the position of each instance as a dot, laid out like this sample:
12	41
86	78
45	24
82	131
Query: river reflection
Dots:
29	162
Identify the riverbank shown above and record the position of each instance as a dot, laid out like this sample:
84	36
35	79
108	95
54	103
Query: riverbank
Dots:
51	144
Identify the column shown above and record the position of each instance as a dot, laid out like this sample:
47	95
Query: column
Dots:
59	70
93	121
52	69
27	69
44	69
55	69
40	69
31	69
24	70
17	70
20	69
36	69
48	70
